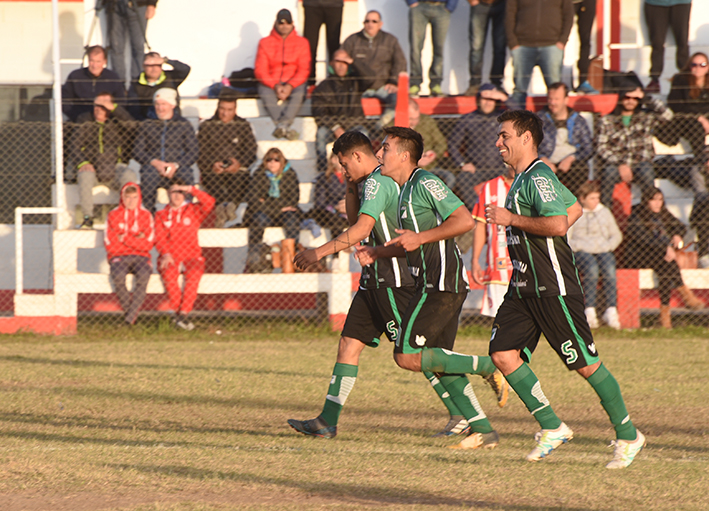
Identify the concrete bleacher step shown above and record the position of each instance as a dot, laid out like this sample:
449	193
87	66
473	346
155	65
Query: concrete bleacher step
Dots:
204	108
305	126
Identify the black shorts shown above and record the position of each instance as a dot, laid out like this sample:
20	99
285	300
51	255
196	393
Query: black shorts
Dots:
430	321
377	311
520	322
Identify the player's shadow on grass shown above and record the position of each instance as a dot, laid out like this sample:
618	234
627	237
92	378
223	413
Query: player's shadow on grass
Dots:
345	493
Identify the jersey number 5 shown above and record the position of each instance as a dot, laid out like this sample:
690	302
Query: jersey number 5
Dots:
571	355
393	330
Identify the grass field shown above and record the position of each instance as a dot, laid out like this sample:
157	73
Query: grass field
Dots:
157	420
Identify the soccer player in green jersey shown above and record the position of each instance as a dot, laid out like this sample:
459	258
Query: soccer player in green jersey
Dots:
386	285
545	294
430	216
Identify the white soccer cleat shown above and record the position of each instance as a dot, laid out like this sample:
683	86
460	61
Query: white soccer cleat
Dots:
625	451
548	440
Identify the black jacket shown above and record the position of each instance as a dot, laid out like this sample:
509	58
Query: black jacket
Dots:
648	235
259	186
383	54
337	101
140	93
220	141
81	87
680	101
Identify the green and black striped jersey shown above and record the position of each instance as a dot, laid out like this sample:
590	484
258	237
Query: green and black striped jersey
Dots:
379	199
542	265
425	202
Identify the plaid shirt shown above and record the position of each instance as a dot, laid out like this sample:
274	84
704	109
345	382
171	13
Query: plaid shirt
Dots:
618	144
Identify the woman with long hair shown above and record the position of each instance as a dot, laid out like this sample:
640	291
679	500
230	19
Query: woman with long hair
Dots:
654	235
273	201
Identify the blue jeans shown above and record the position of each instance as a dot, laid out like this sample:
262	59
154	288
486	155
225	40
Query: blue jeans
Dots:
525	59
481	16
127	21
590	266
283	114
439	17
643	175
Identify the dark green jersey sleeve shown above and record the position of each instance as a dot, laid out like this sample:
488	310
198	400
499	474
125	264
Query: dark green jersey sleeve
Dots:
546	194
377	193
433	191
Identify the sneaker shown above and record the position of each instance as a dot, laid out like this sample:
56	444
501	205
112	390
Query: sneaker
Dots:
586	88
183	323
499	386
548	440
703	262
292	135
591	317
653	87
610	317
414	90
471	90
279	133
436	91
457	425
626	451
314	427
88	223
478	440
230	211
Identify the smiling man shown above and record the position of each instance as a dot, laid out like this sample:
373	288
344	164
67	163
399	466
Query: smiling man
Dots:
545	294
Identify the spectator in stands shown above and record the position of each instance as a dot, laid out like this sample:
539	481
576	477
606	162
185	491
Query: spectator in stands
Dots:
421	14
274	193
82	85
129	238
317	13
337	101
654	236
472	144
227	148
128	18
593	238
381	51
659	16
567	144
100	146
624	141
585	14
329	198
482	14
166	147
176	239
153	78
496	276
537	33
282	69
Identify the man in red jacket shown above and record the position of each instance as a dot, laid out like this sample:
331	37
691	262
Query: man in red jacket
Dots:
176	229
128	240
282	69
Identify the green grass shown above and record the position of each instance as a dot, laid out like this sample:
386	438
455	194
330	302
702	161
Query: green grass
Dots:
157	420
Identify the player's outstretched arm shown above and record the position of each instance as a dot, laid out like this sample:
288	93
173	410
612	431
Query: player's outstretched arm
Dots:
456	224
350	237
540	226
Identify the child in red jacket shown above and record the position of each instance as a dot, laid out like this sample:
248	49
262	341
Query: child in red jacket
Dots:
177	242
128	240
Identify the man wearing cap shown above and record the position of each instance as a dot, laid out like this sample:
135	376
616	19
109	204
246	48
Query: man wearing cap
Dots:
154	77
282	69
165	147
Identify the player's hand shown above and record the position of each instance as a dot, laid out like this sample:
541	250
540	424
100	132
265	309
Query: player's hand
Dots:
497	215
165	261
365	255
303	260
478	273
409	240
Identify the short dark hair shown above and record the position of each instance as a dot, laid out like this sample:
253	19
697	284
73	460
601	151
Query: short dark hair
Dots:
559	85
176	181
352	140
409	140
105	93
587	188
130	189
524	120
97	48
374	11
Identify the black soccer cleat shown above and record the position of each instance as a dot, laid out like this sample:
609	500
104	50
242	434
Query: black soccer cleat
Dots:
313	427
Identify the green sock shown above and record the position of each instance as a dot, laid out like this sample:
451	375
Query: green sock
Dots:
442	393
341	383
439	360
607	388
465	399
526	385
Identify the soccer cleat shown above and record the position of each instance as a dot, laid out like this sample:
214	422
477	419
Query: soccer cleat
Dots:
499	386
457	425
478	440
625	451
437	91
548	440
314	427
610	317
414	91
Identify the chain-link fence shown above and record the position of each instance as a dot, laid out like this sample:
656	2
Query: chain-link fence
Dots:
263	199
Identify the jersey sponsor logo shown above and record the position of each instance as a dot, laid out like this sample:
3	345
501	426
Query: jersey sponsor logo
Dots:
518	284
571	355
371	187
545	188
513	239
403	211
420	340
519	266
592	348
436	188
414	270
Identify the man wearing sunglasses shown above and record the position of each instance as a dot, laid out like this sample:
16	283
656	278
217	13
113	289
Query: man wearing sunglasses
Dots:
153	77
282	69
624	140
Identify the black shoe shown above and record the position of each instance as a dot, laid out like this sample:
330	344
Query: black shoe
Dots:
653	87
314	427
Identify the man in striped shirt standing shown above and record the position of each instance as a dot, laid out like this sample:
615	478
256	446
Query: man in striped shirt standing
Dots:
545	294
